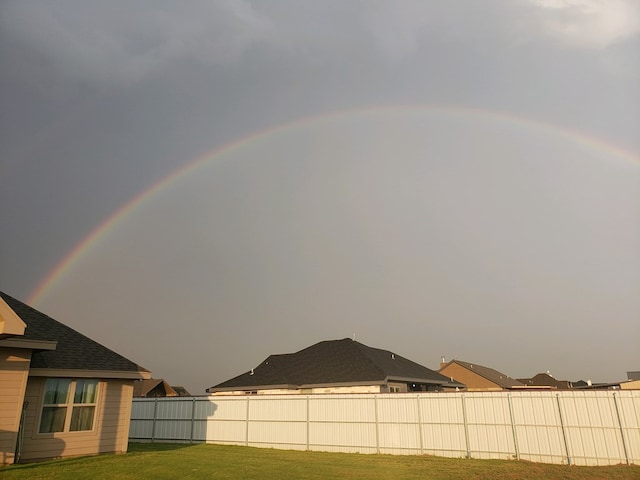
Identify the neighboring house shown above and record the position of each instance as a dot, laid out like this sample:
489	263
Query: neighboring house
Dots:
335	366
181	391
546	380
630	385
153	387
62	393
477	377
157	387
623	385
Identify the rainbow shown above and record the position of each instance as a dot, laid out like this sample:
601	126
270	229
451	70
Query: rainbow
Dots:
91	240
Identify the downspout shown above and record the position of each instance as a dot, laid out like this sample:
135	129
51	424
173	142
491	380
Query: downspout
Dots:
18	452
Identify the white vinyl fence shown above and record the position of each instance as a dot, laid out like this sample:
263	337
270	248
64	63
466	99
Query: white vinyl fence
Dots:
570	427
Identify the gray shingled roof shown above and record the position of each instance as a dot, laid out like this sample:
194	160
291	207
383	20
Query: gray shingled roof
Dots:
74	351
499	378
333	362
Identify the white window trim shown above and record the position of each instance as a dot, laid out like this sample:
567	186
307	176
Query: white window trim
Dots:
69	405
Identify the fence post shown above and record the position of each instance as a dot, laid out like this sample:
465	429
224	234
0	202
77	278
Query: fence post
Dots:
564	433
624	443
466	426
193	414
246	430
153	426
308	424
513	426
420	425
375	405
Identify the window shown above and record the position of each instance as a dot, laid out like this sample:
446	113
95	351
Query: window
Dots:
68	405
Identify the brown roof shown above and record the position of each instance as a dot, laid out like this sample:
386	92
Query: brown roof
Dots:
501	379
545	380
153	387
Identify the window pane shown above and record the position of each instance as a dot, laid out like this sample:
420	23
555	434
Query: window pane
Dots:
52	419
85	391
82	418
56	391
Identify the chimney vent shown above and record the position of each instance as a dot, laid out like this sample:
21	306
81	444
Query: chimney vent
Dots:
443	362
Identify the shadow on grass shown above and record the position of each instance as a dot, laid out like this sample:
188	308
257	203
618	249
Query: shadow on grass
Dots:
133	448
157	447
38	463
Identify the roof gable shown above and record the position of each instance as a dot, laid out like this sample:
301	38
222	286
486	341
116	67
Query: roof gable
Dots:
74	351
332	362
10	323
153	387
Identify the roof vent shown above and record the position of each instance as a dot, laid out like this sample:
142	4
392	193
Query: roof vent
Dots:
393	356
251	372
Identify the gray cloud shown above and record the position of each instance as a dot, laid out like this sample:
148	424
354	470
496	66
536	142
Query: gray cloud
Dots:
588	23
127	41
103	99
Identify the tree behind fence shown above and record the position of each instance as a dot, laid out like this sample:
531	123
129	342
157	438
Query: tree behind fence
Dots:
570	427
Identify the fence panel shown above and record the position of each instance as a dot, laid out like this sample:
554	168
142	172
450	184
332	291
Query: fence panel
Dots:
538	427
593	431
489	426
443	425
571	427
343	423
628	404
398	425
279	420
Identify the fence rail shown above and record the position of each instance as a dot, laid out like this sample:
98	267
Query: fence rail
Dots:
581	428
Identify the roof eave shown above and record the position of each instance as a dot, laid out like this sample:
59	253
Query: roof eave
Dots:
252	387
73	373
26	343
423	380
342	384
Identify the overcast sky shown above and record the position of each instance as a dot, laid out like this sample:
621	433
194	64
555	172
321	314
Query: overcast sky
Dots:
437	178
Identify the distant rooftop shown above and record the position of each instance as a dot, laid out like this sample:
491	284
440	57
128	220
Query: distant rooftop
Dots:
329	363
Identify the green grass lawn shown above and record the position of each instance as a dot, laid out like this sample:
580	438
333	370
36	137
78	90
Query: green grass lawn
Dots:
170	461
